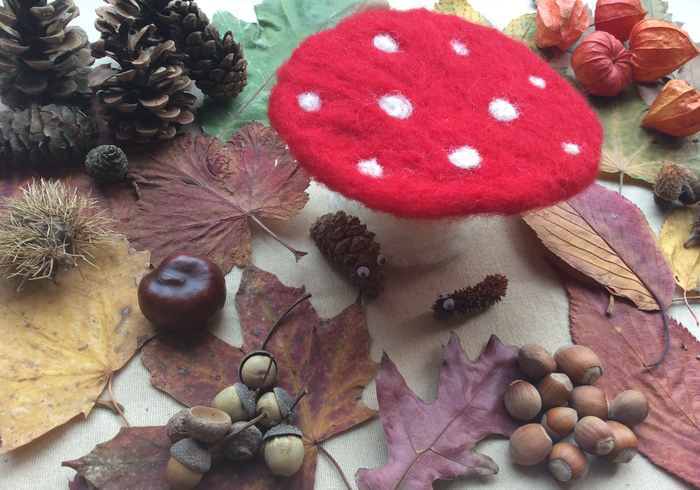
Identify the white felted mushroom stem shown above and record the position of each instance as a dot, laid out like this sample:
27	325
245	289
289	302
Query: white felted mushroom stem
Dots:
409	242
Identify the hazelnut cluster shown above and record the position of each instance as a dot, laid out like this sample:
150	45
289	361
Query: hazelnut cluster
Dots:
568	404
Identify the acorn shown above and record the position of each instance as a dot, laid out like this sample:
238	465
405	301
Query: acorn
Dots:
279	405
567	462
207	424
237	400
559	422
579	363
258	370
589	400
536	361
176	428
625	443
189	460
554	389
594	436
629	407
284	450
243	445
529	444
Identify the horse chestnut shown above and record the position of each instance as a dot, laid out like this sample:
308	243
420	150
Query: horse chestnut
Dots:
185	292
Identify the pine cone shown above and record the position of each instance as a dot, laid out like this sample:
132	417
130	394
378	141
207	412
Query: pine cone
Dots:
675	182
42	60
44	138
348	242
478	297
147	98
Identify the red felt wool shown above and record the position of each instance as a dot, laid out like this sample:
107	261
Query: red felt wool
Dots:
424	115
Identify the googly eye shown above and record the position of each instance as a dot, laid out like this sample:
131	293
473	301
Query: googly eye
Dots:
441	295
381	259
449	304
363	272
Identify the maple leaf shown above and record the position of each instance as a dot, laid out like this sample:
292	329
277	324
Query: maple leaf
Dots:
429	441
61	341
605	236
197	197
670	436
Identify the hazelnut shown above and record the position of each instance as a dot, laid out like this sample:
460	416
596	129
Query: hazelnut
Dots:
284	450
629	408
189	460
567	462
536	361
529	444
243	445
207	424
559	422
237	400
554	390
258	370
176	428
594	436
279	406
589	400
625	443
522	400
579	363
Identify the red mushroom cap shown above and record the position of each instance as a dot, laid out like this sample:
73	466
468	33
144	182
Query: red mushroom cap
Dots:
425	115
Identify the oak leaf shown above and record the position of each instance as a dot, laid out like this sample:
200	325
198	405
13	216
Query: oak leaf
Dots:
684	260
605	236
61	341
430	441
560	23
670	436
196	196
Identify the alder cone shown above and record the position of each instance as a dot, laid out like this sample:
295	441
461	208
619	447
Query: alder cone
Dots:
602	64
618	17
676	110
658	49
560	23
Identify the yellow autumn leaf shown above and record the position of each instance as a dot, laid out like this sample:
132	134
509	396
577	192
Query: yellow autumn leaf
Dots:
685	261
461	8
59	341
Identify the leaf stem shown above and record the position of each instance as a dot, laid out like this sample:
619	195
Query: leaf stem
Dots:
279	320
297	253
685	297
262	87
240	429
114	401
667	341
335	463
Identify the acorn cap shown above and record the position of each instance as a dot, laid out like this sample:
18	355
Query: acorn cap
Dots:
247	397
243	445
192	454
176	428
207	424
282	430
285	401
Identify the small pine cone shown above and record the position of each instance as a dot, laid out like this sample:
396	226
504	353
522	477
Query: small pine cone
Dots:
348	242
677	183
44	138
478	297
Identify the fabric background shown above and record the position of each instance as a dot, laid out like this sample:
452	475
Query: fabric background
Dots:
534	310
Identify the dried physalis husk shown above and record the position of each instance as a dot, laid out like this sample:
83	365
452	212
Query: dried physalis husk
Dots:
560	23
676	110
602	64
618	17
658	49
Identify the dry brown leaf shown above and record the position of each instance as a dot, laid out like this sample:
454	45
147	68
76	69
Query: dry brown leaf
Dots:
685	261
59	341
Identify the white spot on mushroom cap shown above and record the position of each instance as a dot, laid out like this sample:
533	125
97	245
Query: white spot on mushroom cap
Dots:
538	82
465	157
571	148
370	168
384	42
459	47
309	101
502	110
396	106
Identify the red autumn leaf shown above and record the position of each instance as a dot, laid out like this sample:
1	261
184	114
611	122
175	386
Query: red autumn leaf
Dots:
670	436
197	197
430	441
560	23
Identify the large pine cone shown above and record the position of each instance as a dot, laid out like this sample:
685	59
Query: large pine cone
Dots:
45	138
41	59
347	242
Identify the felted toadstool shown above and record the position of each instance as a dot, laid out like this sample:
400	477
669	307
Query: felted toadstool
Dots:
426	116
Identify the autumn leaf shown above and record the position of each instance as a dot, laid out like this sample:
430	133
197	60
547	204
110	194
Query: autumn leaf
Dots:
605	236
430	441
690	72
61	341
197	197
523	29
281	26
684	260
670	436
461	8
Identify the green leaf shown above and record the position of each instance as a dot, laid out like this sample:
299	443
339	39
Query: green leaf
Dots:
523	29
281	26
463	9
633	150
